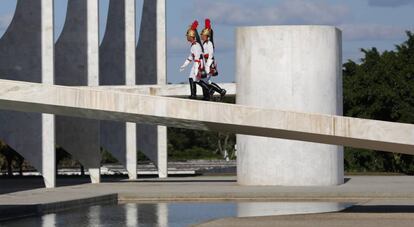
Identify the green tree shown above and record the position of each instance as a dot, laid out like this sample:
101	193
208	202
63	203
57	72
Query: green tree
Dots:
381	87
184	144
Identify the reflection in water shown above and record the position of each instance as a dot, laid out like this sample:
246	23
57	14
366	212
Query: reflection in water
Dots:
147	214
49	220
94	216
162	213
131	212
170	214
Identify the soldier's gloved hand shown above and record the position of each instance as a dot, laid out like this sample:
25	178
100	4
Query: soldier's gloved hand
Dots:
187	62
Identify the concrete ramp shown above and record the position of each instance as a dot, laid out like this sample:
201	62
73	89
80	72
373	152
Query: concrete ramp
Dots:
183	113
169	90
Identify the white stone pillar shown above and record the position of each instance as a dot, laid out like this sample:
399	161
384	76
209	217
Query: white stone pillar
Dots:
162	79
48	77
117	67
27	54
77	64
130	79
92	31
131	150
295	68
162	152
151	69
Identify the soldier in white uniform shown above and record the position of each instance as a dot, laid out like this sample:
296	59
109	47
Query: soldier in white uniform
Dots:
210	63
196	56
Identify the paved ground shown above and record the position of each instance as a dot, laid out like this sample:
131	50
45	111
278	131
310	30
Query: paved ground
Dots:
321	220
372	213
382	199
206	187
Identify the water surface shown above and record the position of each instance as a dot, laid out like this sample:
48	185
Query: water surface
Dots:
170	214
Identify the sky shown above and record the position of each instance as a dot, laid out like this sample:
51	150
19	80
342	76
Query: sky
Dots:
364	24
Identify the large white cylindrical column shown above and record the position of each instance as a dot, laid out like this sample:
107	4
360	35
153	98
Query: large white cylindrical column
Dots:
297	68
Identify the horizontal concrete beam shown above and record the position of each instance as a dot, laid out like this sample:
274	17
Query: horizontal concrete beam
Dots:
173	90
183	113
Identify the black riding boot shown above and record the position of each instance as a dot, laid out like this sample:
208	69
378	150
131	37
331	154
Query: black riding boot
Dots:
216	88
193	89
206	89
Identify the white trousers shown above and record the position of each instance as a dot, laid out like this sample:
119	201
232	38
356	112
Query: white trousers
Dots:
193	75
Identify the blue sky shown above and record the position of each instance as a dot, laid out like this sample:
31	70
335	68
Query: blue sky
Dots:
365	23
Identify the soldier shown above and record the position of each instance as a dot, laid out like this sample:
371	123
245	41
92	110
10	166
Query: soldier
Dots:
195	56
210	63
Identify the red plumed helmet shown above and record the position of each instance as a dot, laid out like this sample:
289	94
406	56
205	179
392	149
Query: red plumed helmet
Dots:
194	25
192	30
207	30
208	24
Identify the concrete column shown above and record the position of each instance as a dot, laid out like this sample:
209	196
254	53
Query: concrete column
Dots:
77	64
117	67
131	150
151	69
295	68
26	54
48	120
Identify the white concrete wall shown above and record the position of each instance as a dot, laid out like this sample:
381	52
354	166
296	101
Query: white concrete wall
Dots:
295	68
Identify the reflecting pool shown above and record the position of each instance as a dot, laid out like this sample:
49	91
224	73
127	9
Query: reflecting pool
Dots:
171	214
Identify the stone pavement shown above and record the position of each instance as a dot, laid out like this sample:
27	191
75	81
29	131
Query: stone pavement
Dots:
213	187
372	213
340	219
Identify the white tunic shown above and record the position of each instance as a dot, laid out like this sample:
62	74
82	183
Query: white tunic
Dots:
196	56
208	55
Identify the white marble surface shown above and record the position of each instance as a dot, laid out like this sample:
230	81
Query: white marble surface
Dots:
184	113
172	90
